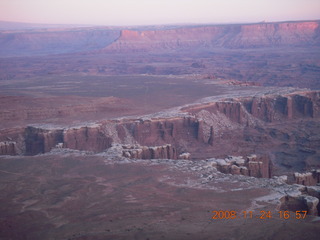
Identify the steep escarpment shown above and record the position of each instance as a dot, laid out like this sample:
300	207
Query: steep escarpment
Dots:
253	165
308	178
284	107
144	152
268	108
39	140
72	40
226	36
238	126
55	41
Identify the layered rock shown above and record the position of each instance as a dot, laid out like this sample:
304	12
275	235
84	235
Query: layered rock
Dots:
308	178
253	165
144	152
8	148
307	199
201	126
55	41
291	106
93	139
227	36
39	140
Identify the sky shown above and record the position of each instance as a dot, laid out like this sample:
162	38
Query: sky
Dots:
149	12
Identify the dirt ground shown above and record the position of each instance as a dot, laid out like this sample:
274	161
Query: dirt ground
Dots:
89	197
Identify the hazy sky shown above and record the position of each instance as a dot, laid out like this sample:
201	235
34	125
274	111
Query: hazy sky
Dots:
137	12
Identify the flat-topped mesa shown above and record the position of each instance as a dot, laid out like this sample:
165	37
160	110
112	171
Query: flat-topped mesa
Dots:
227	36
193	128
42	42
308	178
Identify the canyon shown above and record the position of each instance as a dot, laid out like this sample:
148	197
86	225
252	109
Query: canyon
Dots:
176	121
273	54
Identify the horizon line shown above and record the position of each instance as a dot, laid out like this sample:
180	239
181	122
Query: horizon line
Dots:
156	24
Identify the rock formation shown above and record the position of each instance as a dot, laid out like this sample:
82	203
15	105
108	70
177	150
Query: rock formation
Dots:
144	152
8	148
184	156
227	36
204	125
306	199
253	165
115	39
55	41
308	178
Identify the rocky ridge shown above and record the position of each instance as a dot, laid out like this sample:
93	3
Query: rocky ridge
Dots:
204	123
212	127
226	36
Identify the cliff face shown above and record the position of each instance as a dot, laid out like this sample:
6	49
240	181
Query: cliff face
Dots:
39	140
54	41
253	165
284	107
266	108
8	148
308	178
143	152
231	126
227	36
86	138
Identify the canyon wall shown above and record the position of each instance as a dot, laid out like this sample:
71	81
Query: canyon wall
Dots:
308	178
144	152
206	125
253	165
55	41
73	40
226	36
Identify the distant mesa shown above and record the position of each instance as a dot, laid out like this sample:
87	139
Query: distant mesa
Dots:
70	39
226	36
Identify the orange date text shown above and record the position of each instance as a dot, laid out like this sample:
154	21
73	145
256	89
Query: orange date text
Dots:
226	214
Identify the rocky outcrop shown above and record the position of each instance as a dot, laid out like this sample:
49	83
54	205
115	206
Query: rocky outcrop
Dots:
72	40
227	36
192	129
144	152
55	41
253	165
185	156
39	140
292	106
306	199
93	139
308	178
268	108
8	148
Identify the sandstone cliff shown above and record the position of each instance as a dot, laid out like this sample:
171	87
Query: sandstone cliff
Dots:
238	126
308	178
55	41
226	36
143	152
253	165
